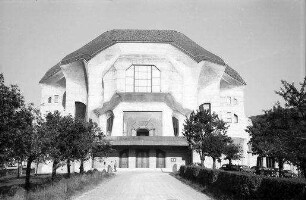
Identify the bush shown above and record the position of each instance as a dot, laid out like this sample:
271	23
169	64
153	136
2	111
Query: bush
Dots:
238	185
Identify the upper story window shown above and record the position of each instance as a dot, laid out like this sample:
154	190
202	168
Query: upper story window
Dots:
205	106
175	123
142	78
49	99
228	117
235	101
235	118
56	98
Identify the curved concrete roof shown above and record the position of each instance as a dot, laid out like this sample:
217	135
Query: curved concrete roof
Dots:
172	37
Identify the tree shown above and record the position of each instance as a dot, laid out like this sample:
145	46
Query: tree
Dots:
205	134
269	134
232	152
89	140
281	131
295	107
11	100
29	140
52	128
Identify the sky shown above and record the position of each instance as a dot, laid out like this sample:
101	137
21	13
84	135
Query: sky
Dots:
263	40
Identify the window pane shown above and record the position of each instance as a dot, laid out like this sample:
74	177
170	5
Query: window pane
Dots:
129	81
130	71
155	88
129	88
142	75
155	81
143	83
155	72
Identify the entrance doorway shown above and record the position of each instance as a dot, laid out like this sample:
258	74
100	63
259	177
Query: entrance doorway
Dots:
142	132
160	159
142	159
124	159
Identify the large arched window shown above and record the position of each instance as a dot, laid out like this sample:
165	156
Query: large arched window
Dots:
142	78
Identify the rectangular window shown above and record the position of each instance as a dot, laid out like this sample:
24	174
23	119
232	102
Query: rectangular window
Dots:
206	106
49	99
55	98
142	78
175	123
228	117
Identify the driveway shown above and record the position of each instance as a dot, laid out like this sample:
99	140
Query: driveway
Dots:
143	185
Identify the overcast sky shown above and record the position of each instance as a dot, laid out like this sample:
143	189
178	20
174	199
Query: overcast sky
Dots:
263	40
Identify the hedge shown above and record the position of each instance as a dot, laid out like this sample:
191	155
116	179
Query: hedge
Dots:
237	185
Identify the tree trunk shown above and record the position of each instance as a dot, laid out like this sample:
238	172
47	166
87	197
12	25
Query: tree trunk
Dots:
28	173
37	163
214	163
54	166
280	167
68	168
202	157
82	166
18	169
303	167
230	162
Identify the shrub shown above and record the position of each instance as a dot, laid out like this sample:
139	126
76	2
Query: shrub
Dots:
237	185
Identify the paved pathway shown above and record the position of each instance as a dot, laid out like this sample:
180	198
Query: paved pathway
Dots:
143	185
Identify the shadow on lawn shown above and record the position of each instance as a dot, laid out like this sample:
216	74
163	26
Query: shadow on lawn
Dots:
60	188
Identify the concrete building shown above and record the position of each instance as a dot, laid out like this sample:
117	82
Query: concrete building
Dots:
139	86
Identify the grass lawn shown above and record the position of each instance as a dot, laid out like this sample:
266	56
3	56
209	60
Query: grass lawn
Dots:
43	188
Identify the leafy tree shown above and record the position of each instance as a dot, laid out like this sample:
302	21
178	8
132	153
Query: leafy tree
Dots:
281	131
205	134
28	139
269	134
89	139
232	152
11	101
52	127
295	109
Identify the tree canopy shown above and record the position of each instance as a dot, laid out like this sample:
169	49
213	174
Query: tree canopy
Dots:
206	134
281	131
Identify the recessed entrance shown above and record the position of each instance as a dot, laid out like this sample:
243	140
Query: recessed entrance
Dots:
142	159
142	132
160	159
124	159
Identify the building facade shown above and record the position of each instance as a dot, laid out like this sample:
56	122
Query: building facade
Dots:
139	86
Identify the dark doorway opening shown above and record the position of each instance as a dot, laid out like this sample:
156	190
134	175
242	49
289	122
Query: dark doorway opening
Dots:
124	159
142	159
142	132
160	159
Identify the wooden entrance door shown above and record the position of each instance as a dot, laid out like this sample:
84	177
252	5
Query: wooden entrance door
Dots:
124	159
142	159
160	159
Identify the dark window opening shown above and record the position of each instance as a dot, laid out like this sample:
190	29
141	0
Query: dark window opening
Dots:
142	132
270	162
235	118
64	100
110	121
49	99
80	110
206	106
175	123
